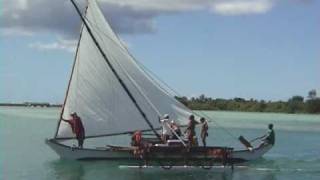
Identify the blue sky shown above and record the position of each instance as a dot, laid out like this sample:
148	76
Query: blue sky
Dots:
270	53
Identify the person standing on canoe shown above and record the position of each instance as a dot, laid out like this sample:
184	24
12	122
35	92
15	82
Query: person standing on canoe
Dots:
77	128
190	131
204	131
166	131
176	129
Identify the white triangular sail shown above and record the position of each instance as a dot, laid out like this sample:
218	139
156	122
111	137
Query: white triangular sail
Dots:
97	96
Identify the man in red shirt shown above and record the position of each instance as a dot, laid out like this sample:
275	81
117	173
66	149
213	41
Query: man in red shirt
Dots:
77	128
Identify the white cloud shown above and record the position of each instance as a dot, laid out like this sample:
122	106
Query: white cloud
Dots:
125	16
22	4
15	31
64	45
221	7
161	5
61	44
239	7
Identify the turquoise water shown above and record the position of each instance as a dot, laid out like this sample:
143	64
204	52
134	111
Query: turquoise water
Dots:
296	154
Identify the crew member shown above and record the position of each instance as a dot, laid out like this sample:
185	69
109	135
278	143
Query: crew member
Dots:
77	128
204	131
166	131
136	139
190	131
269	137
176	129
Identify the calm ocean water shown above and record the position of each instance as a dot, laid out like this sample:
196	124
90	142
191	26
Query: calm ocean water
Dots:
296	154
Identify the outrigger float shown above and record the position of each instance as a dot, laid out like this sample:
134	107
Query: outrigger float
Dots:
115	95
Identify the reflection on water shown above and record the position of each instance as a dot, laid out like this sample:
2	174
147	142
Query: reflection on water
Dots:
178	174
66	170
262	169
77	170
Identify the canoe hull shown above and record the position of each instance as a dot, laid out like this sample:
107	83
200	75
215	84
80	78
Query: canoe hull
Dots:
256	153
197	155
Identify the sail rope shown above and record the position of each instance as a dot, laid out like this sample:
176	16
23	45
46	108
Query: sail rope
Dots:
125	50
156	79
199	113
146	97
141	92
125	71
139	89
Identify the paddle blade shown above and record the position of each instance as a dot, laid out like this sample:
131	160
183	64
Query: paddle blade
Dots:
245	142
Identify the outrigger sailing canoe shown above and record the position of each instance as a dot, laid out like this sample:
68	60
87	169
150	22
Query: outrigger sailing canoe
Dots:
114	95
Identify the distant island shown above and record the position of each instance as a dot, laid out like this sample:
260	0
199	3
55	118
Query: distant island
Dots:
296	104
31	104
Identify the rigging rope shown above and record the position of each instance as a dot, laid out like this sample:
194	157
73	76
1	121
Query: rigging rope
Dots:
156	79
125	50
135	84
174	91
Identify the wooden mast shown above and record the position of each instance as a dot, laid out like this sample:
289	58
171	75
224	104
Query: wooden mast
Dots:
70	79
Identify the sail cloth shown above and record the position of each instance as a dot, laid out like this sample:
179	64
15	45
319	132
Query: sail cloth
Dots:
97	96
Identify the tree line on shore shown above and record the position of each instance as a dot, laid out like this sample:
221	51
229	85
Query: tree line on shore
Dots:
296	104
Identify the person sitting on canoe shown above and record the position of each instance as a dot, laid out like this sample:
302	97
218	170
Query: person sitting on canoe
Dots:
136	139
166	131
77	128
204	131
176	129
139	146
190	131
269	137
